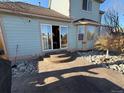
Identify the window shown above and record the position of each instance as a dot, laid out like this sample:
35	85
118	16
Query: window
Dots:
46	33
84	4
81	29
90	32
64	39
81	32
87	5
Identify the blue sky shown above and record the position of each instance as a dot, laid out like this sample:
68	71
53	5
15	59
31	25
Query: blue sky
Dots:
117	5
108	4
44	3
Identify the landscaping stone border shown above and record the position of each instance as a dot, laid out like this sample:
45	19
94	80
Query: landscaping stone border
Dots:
115	62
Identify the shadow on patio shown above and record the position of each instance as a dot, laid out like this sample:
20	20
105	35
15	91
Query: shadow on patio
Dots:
72	76
78	84
72	80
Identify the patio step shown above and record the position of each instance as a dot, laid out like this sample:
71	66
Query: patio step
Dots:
63	55
59	57
56	59
59	60
46	59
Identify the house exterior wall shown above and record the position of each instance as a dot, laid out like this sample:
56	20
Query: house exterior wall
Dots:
71	31
73	8
26	33
72	37
62	6
22	33
77	12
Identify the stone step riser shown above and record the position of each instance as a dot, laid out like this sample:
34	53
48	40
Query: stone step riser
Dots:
55	59
57	55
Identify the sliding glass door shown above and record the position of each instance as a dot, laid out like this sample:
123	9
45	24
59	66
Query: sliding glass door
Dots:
54	37
46	32
63	37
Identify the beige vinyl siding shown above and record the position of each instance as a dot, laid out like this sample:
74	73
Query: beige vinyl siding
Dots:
19	31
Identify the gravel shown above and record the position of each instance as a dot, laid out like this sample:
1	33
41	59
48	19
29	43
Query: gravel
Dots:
115	62
24	67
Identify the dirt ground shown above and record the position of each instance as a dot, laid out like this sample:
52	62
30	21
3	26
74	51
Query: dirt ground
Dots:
74	76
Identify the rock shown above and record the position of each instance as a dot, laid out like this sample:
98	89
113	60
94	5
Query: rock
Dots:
114	67
21	65
118	68
22	68
122	71
19	74
14	71
121	67
104	65
96	57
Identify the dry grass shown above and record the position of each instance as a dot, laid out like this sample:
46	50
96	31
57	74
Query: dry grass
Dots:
115	43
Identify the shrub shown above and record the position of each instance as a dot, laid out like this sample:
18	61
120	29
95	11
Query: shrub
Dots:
115	43
102	43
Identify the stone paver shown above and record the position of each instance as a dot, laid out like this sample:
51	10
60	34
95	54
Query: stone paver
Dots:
75	76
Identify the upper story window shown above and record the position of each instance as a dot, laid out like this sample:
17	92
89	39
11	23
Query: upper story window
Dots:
87	5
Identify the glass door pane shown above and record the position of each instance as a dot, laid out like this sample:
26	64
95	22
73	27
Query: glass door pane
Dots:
90	36
90	32
46	37
63	37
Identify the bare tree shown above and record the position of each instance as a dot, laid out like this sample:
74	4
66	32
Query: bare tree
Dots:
112	23
112	26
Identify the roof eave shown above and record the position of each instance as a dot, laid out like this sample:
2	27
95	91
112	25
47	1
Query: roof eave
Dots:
34	15
87	22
